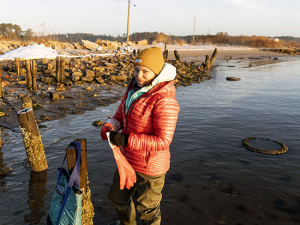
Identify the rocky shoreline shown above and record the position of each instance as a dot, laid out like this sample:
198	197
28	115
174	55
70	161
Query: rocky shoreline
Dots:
90	82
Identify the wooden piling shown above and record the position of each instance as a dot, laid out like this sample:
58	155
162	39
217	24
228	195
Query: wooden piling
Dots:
213	57
134	52
26	102
1	88
58	68
33	75
177	57
17	65
32	140
87	211
207	62
28	71
62	69
165	53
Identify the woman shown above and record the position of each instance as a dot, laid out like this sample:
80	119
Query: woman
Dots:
147	116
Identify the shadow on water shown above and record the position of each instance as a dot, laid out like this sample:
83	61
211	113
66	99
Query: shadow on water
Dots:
37	190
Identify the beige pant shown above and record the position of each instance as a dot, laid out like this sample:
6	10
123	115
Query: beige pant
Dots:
146	192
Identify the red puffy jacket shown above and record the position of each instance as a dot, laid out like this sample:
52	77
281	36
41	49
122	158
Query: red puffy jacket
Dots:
150	123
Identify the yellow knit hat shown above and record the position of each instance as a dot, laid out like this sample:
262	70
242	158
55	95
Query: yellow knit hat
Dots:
151	58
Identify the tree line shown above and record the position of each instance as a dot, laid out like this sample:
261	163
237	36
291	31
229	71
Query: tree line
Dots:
10	31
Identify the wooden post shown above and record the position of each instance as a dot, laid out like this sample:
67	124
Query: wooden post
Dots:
33	74
1	88
29	78
207	62
0	141
87	211
32	140
134	52
177	55
62	69
213	57
165	53
26	102
57	68
138	51
17	65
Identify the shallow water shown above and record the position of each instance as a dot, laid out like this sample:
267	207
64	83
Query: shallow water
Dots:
213	179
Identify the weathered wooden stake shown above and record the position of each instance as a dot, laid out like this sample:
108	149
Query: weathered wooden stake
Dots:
62	69
33	74
165	53
134	52
1	88
207	62
177	55
28	70
26	102
213	57
17	65
87	211
32	140
58	68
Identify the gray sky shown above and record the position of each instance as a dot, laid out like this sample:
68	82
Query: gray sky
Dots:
237	17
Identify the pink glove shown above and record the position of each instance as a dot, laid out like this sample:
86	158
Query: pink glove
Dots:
126	172
106	127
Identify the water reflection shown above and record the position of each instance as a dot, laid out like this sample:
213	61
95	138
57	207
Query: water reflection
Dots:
36	197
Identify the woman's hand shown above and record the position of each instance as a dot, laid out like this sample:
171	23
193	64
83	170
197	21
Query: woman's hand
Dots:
118	139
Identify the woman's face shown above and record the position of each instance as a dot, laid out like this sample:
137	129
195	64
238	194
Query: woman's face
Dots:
143	76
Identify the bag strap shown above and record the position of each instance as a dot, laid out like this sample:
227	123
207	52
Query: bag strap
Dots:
75	178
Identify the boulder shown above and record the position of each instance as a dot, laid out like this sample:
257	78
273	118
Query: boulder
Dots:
78	74
89	45
87	79
75	78
89	73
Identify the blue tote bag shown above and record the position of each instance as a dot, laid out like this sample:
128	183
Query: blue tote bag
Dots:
65	206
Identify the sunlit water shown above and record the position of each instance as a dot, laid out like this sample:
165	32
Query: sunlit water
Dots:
213	179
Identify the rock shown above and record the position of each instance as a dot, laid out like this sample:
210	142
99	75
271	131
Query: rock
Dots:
87	79
118	78
2	114
97	123
233	78
89	45
22	71
89	73
45	61
5	171
53	95
88	88
79	74
75	78
99	80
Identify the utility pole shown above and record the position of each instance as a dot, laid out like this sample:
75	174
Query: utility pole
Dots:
194	30
127	40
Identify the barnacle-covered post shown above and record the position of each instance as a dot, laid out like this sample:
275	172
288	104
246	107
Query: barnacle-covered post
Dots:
29	77
87	209
26	102
17	65
1	89
58	69
32	140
